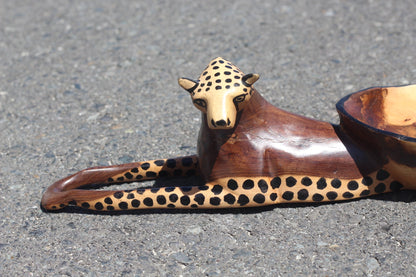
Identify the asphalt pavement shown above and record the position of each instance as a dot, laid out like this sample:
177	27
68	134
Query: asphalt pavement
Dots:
86	83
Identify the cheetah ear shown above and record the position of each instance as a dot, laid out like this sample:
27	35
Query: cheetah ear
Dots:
250	79
187	84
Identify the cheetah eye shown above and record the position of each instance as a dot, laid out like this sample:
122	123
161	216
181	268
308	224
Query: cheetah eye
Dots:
200	103
240	98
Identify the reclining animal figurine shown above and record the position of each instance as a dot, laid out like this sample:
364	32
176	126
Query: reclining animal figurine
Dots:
251	153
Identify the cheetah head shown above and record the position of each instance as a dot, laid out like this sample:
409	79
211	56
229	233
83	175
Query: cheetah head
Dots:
220	92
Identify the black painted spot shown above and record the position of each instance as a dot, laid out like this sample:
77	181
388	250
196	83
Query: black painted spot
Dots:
259	198
215	67
217	189
203	187
187	161
306	181
214	62
229	198
145	166
177	172
365	192
171	163
151	174
228	80
186	188
395	186
98	206
185	200
303	194
367	181
118	194
72	202
135	203
194	206
321	184
108	200
217	74
120	179
290	181
352	185
163	173
130	196
263	186
336	183
128	175
380	188
347	195
236	76
135	170
199	198
317	197
154	190
148	201
209	84
218	87
236	84
243	200
218	81
273	196
287	195
171	206
140	190
110	208
276	181
110	180
227	72
382	175
248	184
138	177
173	197
207	78
159	162
123	205
332	195
169	189
161	200
215	201
232	184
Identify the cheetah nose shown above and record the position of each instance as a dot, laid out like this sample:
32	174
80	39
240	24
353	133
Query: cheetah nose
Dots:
221	122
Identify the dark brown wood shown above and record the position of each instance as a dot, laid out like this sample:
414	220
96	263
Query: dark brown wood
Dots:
268	141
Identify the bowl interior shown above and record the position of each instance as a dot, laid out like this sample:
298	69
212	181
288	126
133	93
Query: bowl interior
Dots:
391	109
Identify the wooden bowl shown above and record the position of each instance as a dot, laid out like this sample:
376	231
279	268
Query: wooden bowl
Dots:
382	120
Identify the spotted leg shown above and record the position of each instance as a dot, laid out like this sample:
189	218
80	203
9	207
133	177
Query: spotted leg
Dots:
57	196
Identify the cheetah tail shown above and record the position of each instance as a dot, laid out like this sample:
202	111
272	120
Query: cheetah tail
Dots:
56	196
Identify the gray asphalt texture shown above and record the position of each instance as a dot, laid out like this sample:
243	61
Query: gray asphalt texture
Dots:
86	83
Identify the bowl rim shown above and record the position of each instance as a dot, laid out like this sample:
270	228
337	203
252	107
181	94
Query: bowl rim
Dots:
340	108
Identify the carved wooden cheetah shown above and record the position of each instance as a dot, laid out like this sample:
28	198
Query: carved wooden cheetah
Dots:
250	153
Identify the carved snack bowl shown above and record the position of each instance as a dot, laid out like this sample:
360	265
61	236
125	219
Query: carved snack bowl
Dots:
383	121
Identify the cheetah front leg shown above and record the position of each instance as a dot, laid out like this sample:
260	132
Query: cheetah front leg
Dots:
57	195
221	193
